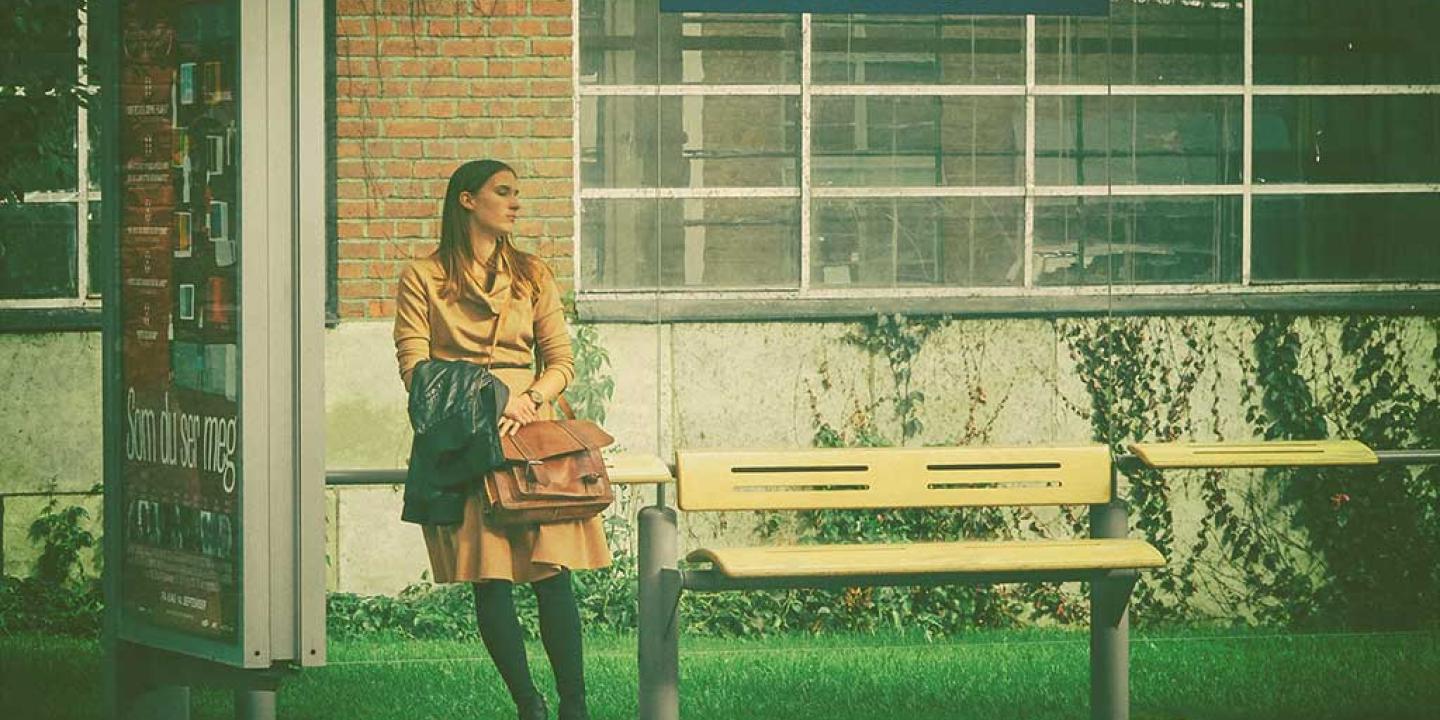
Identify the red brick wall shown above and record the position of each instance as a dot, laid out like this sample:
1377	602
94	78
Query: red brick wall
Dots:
424	85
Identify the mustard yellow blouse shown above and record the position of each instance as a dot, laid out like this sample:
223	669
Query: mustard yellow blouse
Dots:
480	324
464	328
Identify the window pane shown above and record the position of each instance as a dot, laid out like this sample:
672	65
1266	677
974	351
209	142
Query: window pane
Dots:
630	42
1072	140
1346	237
1144	44
1347	139
37	251
618	41
1090	140
95	251
710	243
1176	140
38	137
737	141
902	49
97	109
1128	241
37	130
721	49
690	141
918	141
960	242
618	139
1302	42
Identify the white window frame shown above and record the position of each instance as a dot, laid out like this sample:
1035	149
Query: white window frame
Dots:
82	197
806	192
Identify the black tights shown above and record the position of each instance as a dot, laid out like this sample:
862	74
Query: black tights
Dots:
559	632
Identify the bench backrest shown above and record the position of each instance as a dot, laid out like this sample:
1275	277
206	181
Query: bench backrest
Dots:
892	477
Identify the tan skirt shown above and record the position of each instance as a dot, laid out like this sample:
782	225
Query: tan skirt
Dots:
473	551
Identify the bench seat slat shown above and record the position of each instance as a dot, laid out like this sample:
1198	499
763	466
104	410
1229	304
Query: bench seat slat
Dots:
1259	454
892	477
636	469
945	557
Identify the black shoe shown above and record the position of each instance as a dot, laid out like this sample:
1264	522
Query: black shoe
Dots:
535	709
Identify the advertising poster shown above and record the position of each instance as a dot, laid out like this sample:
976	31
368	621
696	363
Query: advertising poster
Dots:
179	248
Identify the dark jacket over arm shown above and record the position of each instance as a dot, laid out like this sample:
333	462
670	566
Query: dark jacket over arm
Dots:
454	408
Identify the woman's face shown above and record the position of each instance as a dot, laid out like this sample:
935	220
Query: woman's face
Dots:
494	207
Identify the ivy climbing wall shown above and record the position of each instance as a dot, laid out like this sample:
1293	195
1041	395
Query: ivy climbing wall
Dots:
1275	546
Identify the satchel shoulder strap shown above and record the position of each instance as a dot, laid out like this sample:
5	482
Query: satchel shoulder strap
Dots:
565	407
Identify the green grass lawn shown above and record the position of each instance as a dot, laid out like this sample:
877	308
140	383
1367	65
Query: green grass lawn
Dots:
1039	674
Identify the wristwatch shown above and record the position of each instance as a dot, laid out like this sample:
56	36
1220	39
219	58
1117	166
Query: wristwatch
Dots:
535	397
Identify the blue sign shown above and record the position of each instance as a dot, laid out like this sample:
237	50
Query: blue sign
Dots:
894	7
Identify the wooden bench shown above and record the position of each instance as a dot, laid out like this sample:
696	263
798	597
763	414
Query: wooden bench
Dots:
885	478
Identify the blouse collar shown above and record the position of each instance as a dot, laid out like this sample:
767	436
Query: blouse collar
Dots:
476	276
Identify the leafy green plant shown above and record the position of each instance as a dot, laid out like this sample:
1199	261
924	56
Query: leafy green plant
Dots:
62	537
1140	389
1375	528
591	389
898	341
59	597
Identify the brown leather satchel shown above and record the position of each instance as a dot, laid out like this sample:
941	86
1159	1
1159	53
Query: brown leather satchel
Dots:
553	469
553	472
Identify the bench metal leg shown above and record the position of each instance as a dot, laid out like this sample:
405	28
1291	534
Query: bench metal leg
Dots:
659	651
1110	625
1110	649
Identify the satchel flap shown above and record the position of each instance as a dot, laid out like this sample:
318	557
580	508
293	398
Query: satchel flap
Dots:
548	438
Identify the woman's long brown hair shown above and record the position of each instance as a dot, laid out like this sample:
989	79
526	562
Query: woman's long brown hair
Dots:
456	252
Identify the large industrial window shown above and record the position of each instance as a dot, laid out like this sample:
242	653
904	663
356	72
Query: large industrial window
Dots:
1173	147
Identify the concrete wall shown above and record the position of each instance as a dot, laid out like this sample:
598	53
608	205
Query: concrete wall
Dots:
771	384
49	432
737	385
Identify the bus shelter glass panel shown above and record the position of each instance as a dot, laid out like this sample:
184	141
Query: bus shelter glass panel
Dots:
179	251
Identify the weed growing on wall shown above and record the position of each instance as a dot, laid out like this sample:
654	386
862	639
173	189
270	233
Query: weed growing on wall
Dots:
1375	528
1141	385
59	597
1143	377
898	341
1300	547
592	387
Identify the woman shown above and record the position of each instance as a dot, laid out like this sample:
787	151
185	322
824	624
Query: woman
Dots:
478	298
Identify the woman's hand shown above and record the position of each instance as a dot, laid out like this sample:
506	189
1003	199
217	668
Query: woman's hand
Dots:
519	411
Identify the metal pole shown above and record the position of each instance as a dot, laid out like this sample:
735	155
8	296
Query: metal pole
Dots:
1109	621
1408	457
254	705
659	649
